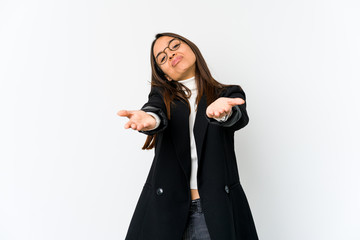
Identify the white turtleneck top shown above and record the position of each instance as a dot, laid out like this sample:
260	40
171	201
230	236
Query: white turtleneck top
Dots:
191	84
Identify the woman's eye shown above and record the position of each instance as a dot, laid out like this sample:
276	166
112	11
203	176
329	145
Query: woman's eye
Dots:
175	46
163	59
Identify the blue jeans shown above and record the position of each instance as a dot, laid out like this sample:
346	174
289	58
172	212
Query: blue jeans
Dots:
196	228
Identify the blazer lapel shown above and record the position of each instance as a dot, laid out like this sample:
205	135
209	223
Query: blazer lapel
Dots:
200	126
180	135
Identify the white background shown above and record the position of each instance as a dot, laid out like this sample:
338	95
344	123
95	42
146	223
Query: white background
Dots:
69	169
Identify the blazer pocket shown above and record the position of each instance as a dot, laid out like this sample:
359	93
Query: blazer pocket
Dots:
234	185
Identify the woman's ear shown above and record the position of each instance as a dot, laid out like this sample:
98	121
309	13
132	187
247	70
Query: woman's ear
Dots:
168	78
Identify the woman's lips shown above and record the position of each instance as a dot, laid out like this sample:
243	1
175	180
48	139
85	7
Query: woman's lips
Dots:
176	60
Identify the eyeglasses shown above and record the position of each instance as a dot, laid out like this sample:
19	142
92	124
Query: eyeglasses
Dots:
162	56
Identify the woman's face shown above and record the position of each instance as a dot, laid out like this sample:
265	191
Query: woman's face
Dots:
180	63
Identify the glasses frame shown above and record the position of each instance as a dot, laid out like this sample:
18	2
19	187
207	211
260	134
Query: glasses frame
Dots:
163	51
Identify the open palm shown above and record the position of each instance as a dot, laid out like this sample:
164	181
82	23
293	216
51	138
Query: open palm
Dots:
222	106
138	119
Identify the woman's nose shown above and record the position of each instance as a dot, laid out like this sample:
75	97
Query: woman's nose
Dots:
171	55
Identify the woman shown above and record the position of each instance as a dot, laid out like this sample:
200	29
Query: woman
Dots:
193	188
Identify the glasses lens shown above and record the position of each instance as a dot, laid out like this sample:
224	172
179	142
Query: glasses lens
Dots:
175	44
161	59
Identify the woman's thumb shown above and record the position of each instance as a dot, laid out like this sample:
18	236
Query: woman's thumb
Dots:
236	101
124	113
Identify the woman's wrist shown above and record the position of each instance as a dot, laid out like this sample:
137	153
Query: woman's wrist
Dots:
157	119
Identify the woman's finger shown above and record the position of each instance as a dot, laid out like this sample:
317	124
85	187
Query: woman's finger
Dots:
128	124
140	126
227	110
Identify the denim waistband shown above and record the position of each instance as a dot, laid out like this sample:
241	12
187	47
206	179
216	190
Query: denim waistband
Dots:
196	205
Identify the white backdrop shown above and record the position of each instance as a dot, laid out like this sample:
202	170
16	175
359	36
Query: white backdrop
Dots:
69	169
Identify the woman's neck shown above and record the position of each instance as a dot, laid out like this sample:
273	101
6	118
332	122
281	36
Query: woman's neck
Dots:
189	83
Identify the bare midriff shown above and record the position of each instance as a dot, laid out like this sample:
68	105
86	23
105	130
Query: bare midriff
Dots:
194	194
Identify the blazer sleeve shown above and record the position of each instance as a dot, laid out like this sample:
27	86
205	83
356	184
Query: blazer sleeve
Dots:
239	117
156	105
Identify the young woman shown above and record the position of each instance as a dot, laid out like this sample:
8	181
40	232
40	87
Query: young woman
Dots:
193	188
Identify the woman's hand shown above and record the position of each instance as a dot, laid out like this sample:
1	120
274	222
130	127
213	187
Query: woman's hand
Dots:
222	106
138	120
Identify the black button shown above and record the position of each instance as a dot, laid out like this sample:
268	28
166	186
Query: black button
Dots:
227	189
159	191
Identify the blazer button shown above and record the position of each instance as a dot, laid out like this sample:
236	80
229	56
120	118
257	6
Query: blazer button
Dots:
159	191
227	189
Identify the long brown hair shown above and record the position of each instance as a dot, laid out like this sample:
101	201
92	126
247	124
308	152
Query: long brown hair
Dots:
171	90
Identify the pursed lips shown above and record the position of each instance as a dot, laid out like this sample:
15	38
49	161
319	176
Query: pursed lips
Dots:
176	60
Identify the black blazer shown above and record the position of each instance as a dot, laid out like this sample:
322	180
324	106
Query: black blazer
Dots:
163	206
